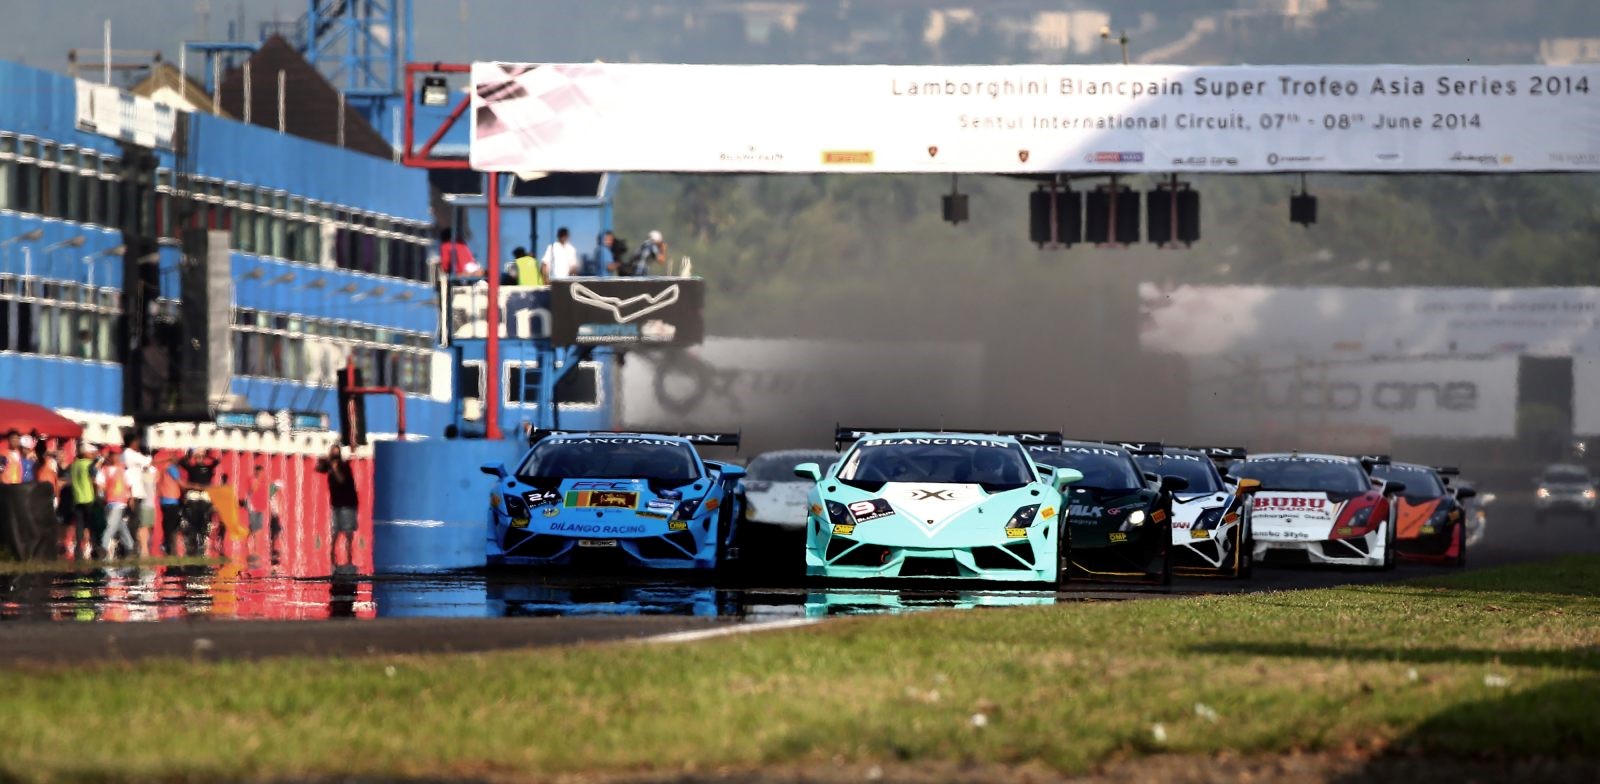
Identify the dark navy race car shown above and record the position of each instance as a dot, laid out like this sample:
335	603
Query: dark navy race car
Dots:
1118	518
616	499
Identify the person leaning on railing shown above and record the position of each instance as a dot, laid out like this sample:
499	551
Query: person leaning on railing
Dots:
455	258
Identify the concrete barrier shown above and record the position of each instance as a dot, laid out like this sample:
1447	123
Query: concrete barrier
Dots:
430	503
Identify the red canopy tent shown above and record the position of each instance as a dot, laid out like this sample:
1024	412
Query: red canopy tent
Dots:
27	417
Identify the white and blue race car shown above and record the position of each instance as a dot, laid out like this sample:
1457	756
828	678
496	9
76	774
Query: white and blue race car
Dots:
1210	529
616	500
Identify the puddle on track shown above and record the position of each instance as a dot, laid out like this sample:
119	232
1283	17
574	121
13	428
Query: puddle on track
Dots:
243	591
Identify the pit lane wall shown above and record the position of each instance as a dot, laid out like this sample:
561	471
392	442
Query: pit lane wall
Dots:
1273	362
789	392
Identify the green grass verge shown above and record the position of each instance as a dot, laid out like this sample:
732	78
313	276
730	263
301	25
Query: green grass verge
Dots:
63	565
1495	662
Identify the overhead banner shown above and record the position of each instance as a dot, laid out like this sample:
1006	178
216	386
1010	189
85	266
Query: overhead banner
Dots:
1321	322
625	312
1034	118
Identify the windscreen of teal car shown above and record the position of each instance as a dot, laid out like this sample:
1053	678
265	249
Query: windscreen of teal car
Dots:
996	466
656	460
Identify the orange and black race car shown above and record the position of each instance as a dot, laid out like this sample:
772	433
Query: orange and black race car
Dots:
1432	525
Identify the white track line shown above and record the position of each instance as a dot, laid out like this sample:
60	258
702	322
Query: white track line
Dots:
737	628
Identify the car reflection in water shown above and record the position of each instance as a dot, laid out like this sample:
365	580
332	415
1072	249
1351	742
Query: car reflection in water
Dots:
236	591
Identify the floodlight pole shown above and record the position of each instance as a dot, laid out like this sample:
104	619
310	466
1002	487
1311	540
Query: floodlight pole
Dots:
491	351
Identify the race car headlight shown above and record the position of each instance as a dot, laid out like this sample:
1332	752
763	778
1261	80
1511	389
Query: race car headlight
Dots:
1136	517
838	515
686	509
1543	492
1209	518
1360	518
1024	517
515	507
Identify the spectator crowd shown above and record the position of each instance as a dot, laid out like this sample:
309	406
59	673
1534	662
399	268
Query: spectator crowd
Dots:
560	259
118	501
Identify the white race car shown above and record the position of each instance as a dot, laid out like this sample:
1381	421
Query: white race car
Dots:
1210	534
773	495
1321	509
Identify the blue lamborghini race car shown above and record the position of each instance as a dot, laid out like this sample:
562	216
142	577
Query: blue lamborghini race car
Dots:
616	500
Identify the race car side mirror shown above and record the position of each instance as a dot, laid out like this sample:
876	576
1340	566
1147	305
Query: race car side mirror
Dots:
495	469
731	471
1174	484
1062	477
809	471
1464	493
1249	485
1394	488
1223	470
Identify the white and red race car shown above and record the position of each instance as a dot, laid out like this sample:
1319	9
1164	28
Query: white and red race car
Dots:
1320	509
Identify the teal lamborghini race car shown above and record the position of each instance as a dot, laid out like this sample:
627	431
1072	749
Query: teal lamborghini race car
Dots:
965	506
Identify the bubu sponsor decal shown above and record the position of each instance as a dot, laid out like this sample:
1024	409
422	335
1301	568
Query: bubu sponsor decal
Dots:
1291	502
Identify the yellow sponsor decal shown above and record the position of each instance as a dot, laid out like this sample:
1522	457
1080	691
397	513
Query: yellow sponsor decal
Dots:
1346	530
1016	533
847	157
843	530
1119	536
678	525
519	522
1048	513
1199	533
1428	529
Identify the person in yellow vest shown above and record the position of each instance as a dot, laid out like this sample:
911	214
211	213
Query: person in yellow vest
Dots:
112	482
85	498
528	272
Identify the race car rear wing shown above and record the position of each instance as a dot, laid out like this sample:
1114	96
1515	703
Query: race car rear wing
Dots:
1369	461
698	439
1447	470
704	439
1219	453
849	435
1147	448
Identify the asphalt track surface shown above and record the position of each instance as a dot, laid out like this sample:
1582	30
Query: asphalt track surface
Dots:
566	609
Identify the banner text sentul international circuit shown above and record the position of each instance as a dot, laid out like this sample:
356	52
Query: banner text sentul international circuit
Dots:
1035	118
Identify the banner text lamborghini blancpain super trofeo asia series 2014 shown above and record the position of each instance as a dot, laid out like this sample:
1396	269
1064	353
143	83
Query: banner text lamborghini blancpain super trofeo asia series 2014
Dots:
1034	118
